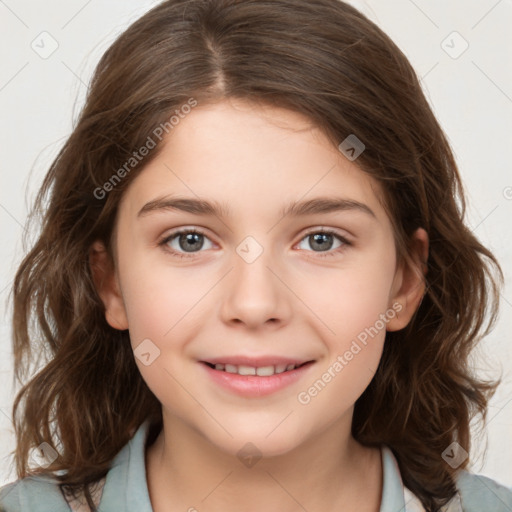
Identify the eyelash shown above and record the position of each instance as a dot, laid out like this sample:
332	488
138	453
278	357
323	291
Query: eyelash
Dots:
321	254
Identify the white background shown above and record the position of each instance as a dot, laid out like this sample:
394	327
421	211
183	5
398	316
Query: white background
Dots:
471	95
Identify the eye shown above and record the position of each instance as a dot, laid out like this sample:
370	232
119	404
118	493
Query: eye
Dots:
323	241
185	241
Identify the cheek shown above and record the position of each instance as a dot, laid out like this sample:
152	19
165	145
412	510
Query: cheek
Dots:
156	301
349	299
165	312
353	307
356	317
163	316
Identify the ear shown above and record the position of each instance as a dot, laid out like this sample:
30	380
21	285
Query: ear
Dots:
107	286
409	283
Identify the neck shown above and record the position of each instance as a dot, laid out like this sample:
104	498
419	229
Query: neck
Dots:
185	471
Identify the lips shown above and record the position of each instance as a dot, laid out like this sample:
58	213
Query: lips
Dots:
255	361
255	377
260	366
261	371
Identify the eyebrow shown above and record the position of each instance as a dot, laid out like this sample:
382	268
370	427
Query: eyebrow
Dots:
319	205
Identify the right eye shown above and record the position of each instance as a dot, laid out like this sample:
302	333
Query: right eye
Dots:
184	242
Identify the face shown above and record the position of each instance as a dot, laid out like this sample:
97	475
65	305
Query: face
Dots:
253	244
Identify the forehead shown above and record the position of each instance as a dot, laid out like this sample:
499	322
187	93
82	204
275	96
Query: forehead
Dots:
249	157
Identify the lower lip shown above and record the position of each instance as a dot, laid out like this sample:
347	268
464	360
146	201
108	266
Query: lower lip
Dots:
253	385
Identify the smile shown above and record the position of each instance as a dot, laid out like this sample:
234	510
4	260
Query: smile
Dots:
256	379
261	371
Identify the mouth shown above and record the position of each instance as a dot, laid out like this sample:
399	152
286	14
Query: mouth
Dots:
256	377
260	371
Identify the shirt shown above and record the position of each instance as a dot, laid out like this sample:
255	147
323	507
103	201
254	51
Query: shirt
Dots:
124	488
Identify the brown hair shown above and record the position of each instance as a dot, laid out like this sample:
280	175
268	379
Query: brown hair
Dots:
320	58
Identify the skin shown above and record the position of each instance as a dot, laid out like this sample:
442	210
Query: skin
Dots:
290	301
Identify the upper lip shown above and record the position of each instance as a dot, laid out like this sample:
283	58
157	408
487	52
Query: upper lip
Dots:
256	362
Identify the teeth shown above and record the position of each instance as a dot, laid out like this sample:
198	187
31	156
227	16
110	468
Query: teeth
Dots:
265	371
262	371
246	370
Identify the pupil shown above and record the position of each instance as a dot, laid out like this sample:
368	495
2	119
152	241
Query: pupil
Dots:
191	241
323	241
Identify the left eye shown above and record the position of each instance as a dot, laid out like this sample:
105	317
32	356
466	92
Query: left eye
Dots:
322	241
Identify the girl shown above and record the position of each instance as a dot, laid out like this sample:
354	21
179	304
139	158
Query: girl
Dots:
311	353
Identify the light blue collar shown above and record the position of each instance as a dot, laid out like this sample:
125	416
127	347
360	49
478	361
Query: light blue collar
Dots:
128	474
392	486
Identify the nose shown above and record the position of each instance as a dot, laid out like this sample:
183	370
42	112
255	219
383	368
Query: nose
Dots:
255	295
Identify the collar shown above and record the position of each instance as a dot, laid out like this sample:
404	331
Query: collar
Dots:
128	474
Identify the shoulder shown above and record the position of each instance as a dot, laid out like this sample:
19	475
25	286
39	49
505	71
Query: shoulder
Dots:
41	494
34	493
475	493
478	493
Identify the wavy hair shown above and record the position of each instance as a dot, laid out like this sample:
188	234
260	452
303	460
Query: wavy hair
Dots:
322	59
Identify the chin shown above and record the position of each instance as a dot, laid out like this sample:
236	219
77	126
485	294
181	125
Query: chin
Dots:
253	443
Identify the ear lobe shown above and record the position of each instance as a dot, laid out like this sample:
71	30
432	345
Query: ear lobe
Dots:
107	286
409	284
